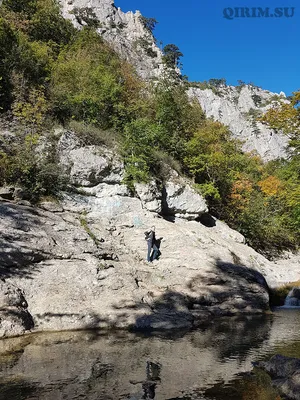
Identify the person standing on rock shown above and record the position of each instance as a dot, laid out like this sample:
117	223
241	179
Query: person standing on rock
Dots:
150	238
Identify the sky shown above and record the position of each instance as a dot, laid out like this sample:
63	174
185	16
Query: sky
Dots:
217	42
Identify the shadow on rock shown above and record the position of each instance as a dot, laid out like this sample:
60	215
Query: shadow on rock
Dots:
230	289
227	290
169	311
16	222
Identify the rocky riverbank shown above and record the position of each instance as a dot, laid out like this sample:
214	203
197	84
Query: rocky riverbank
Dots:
79	263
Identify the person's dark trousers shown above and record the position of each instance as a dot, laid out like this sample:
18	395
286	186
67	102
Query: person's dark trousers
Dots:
154	255
149	250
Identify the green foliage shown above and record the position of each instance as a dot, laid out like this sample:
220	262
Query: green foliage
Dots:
265	226
148	23
172	55
286	117
31	108
144	149
257	100
177	117
91	135
217	82
85	225
86	15
90	83
240	86
253	115
140	137
86	83
136	170
209	191
8	43
3	167
26	7
268	208
213	157
146	45
22	165
34	61
215	85
31	35
242	191
157	140
48	25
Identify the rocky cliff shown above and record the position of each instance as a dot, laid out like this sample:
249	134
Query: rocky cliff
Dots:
239	107
124	31
80	263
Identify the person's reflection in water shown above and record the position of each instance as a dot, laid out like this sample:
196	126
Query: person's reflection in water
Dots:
149	386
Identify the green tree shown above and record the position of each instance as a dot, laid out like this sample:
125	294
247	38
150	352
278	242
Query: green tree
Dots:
8	42
286	117
26	7
217	82
140	139
48	25
22	164
213	156
171	55
86	83
86	15
148	23
33	60
177	115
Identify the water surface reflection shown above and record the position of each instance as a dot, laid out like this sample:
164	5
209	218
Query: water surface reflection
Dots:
208	363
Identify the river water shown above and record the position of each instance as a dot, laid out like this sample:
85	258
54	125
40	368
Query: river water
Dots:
212	362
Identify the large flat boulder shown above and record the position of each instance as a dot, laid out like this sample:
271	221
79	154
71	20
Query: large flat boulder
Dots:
88	165
181	200
80	270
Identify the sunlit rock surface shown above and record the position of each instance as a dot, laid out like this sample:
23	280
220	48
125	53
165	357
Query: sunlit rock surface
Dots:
239	108
80	262
124	31
88	270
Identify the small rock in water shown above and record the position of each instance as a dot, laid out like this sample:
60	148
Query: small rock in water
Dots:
285	374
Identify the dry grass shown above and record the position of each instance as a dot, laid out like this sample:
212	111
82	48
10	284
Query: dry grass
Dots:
91	135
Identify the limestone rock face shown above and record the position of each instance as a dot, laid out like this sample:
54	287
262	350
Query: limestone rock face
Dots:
149	195
98	174
10	296
80	262
7	193
183	201
14	317
88	165
88	270
124	31
238	109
